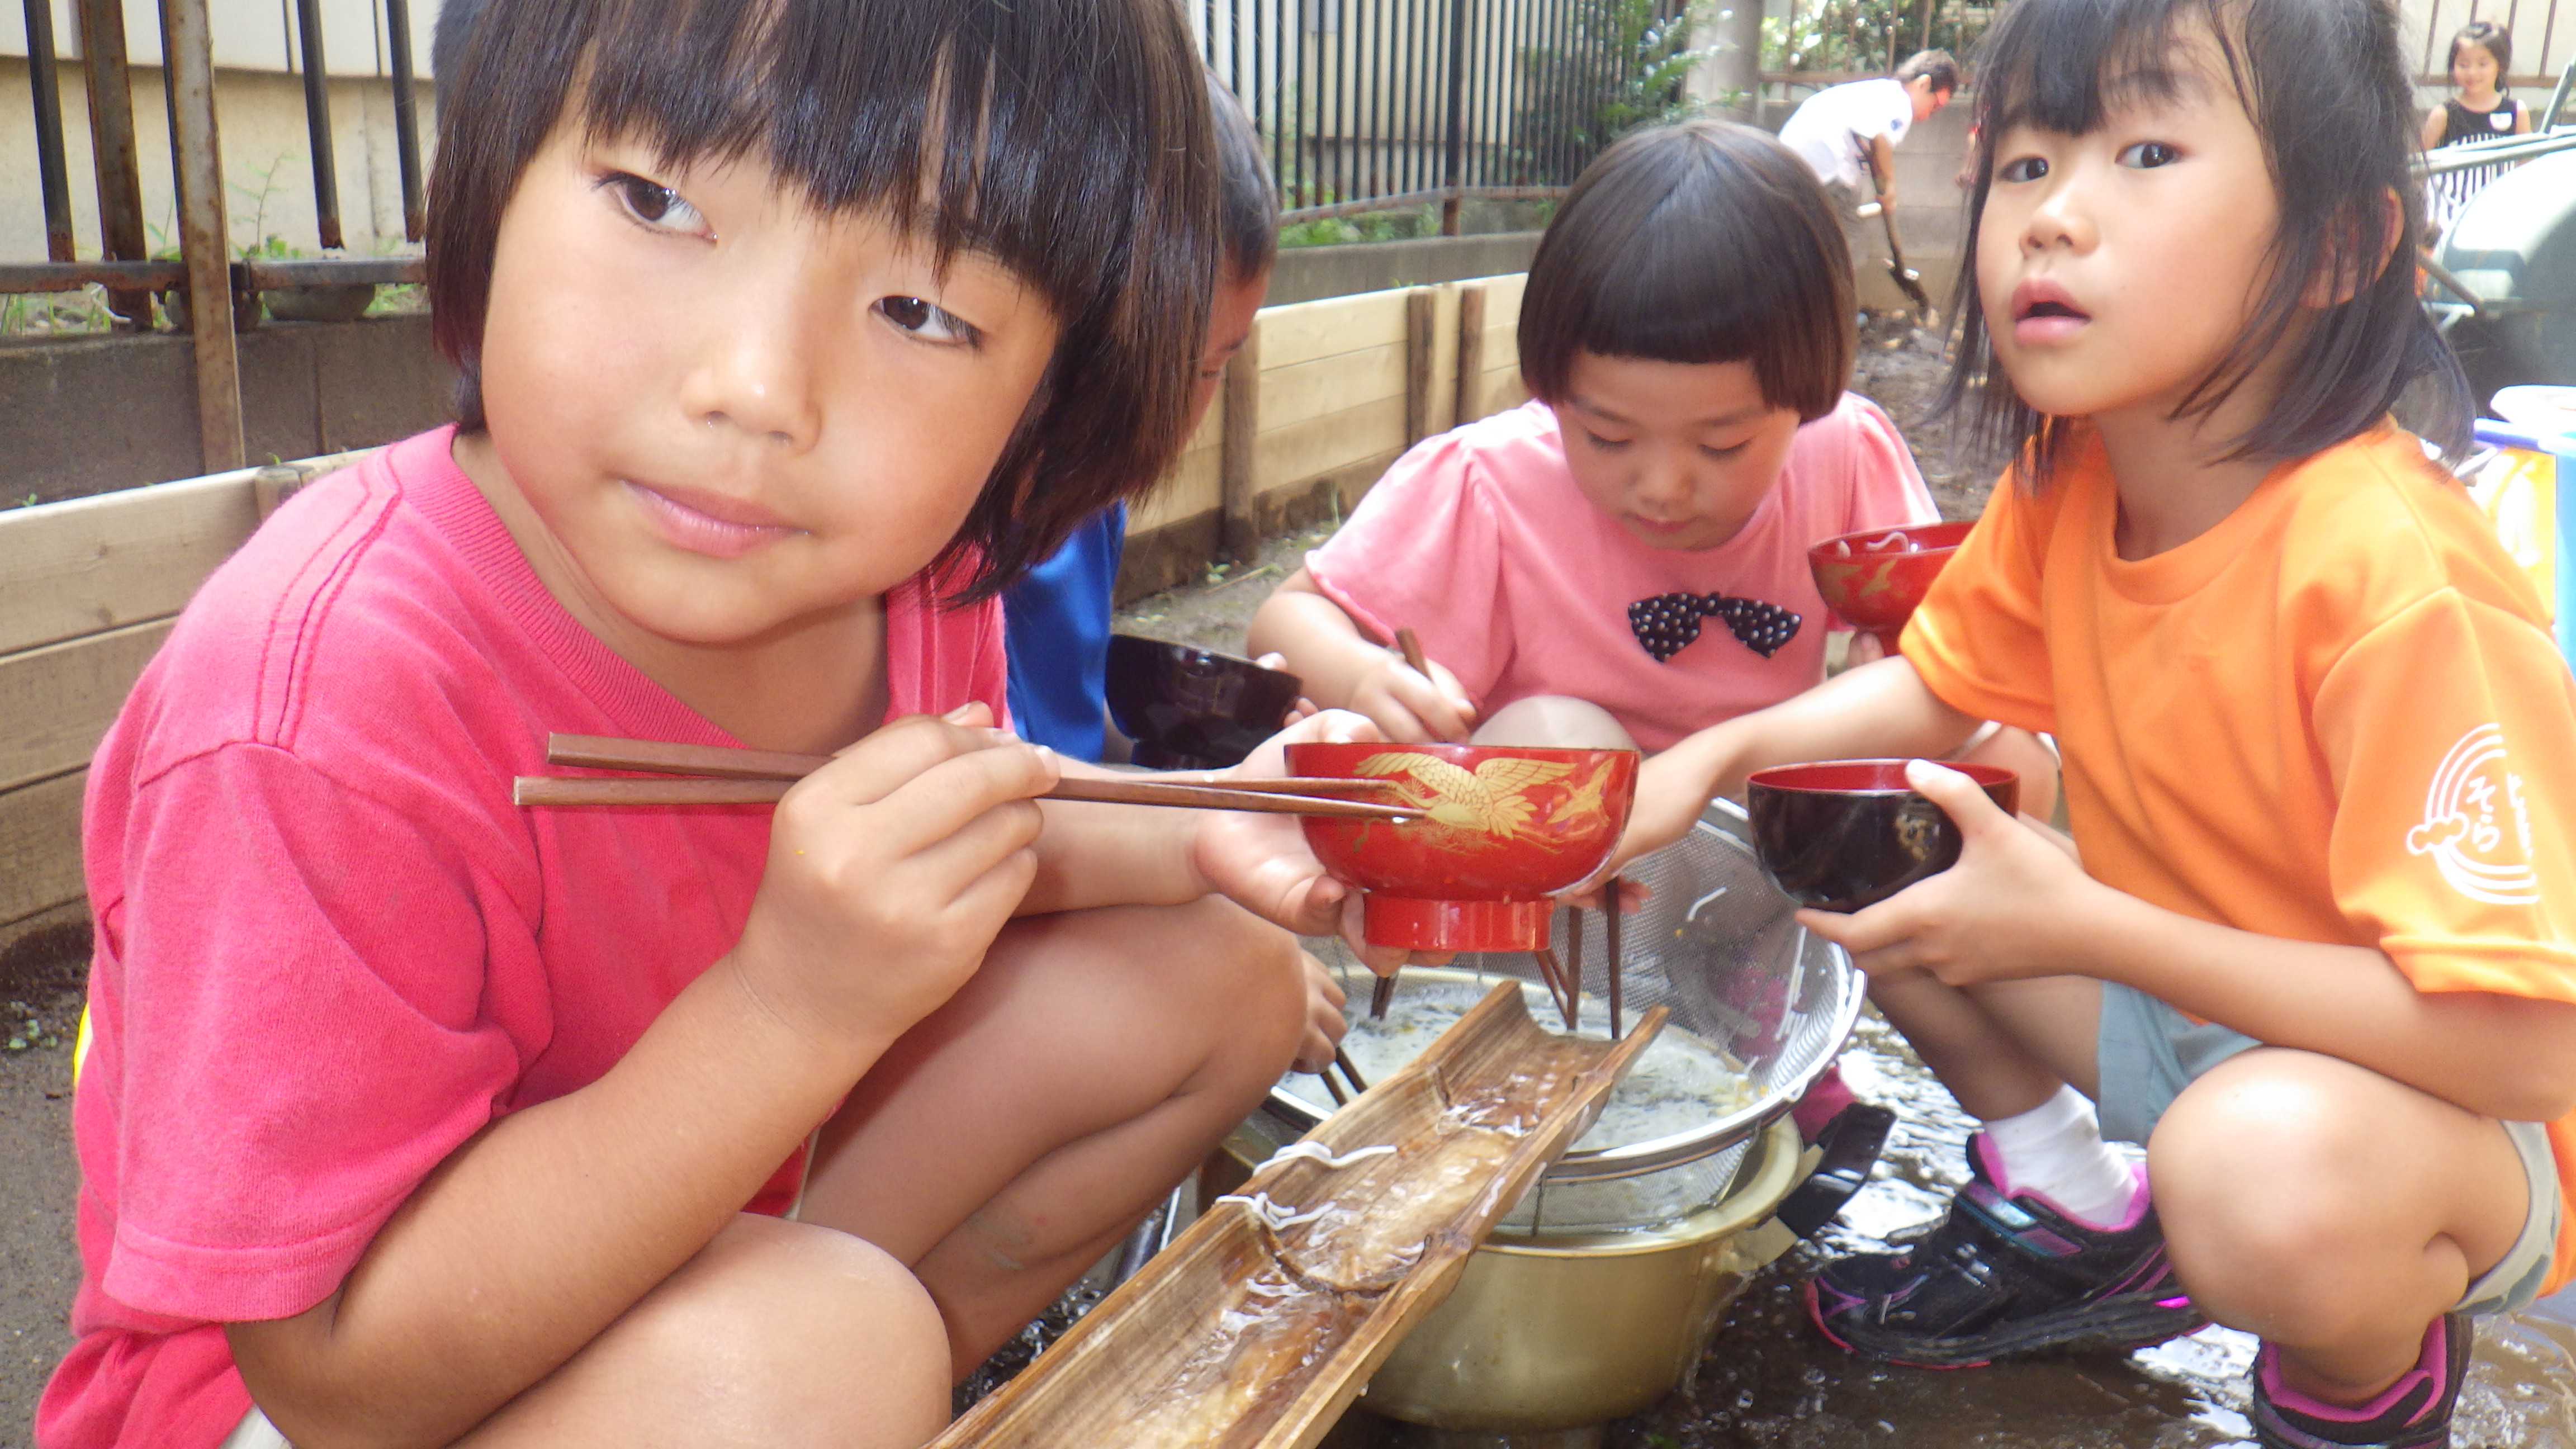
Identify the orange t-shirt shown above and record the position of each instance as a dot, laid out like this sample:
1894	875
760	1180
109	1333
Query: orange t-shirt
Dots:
2336	716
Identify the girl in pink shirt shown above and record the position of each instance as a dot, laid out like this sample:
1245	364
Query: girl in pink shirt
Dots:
788	334
1623	560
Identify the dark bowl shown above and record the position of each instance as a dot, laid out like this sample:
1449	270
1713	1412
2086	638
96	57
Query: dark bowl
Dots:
1842	834
1193	709
1875	578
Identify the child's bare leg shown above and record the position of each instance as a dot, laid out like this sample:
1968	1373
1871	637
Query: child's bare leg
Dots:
1554	721
2003	1049
775	1333
1094	1061
2331	1211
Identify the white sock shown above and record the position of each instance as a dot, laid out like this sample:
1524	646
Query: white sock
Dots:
2056	1150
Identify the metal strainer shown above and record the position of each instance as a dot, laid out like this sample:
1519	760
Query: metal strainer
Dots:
1717	944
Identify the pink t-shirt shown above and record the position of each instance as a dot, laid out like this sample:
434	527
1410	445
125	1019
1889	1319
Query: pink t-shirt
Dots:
1481	543
330	949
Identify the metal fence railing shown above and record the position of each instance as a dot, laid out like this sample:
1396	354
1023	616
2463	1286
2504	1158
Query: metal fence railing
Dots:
1372	105
206	273
1366	105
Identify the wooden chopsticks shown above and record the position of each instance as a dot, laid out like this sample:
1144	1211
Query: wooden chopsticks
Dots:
726	775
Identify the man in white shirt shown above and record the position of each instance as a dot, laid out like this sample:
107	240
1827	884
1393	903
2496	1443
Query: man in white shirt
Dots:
1845	132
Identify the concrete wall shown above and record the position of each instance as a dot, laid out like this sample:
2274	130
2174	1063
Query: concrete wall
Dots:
98	414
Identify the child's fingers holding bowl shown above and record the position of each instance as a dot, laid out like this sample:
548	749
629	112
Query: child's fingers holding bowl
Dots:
1885	937
1961	798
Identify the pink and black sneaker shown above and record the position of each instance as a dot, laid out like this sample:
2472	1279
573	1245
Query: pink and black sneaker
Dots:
2414	1412
2006	1275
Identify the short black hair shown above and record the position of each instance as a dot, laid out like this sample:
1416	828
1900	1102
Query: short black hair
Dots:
1247	200
2497	41
1069	140
1937	64
1699	242
2327	89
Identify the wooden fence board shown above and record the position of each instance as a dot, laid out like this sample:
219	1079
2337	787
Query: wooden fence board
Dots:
1500	389
1302	452
56	701
1330	385
1190	489
103	562
88	564
40	860
1305	331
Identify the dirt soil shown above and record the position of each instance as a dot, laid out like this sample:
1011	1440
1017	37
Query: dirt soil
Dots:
1768	1381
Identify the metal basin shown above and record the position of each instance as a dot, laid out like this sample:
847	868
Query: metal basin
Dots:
1556	1332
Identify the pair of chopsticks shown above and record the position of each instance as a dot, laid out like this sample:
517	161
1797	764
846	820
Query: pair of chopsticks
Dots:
1342	1060
1564	980
726	775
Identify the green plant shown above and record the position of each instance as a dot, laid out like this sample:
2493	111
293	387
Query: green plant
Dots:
1366	227
1868	36
266	245
55	314
1580	103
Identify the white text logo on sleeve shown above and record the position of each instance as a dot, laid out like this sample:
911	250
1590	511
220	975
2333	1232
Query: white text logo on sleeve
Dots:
2477	824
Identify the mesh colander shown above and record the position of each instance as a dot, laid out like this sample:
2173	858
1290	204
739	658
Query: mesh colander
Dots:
1715	943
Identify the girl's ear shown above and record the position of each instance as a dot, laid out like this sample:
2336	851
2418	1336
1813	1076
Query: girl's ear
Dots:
2358	250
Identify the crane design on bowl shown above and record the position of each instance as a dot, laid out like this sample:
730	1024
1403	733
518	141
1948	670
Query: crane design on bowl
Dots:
1500	830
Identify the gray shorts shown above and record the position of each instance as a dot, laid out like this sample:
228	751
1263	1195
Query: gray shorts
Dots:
2149	1052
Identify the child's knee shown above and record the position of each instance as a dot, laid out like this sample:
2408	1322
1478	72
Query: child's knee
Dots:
803	1325
1554	721
2262	1164
1255	966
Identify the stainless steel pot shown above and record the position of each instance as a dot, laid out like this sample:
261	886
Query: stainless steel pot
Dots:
1719	946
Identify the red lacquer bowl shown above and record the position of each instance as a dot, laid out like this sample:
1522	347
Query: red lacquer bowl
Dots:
1501	828
1875	578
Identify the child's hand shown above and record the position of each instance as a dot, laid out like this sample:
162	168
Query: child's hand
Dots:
1672	790
1409	707
1324	1022
1261	862
2015	905
890	872
1304	706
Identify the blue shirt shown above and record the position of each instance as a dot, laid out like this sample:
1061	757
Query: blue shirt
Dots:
1057	623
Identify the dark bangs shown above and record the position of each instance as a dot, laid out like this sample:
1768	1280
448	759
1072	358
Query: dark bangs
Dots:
2328	92
1070	140
1702	242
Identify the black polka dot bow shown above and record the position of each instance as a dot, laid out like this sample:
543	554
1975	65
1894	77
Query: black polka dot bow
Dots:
1667	623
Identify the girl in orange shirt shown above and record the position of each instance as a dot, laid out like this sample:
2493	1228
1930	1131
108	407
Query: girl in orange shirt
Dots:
2320	753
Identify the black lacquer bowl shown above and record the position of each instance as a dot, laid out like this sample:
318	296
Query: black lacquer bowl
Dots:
1193	709
1842	834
